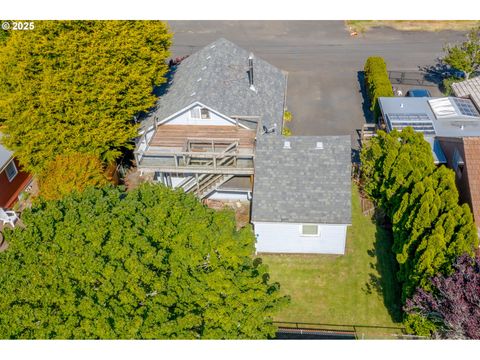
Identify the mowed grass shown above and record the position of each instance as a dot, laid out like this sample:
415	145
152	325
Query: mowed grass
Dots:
358	288
413	25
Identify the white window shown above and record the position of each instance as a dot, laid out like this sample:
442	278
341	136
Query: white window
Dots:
199	113
458	163
309	230
205	113
195	113
11	171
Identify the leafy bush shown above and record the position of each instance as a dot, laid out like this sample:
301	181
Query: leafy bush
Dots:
447	84
452	309
286	131
152	263
69	173
377	82
287	116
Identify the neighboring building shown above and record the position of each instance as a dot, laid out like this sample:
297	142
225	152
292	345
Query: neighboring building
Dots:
216	132
452	127
12	179
463	156
302	194
469	89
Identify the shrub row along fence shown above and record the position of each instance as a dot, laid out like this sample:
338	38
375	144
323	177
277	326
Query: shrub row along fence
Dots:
377	82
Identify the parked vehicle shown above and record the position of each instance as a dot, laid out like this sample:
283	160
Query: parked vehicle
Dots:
453	73
418	93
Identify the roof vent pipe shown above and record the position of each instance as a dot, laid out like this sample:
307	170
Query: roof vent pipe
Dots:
250	72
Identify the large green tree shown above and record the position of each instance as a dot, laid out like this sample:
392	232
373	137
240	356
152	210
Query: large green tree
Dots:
148	264
74	86
465	56
430	228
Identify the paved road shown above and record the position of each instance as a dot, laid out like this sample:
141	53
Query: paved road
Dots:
322	60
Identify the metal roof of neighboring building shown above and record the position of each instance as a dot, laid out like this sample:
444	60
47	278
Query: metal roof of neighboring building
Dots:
217	76
468	88
447	116
309	182
5	155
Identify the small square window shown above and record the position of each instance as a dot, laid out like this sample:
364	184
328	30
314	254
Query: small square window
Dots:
205	113
309	230
195	113
11	171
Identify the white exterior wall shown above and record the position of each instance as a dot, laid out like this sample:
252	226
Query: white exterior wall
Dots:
287	238
229	195
184	118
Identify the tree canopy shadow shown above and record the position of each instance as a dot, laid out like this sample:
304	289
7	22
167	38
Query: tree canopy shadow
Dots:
367	113
383	280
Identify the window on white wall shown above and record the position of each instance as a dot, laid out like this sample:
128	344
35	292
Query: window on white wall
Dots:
11	171
199	113
195	113
205	113
309	230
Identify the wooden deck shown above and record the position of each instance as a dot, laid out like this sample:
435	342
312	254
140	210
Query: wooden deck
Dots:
175	136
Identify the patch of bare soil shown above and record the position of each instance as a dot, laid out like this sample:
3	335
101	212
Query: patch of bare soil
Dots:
241	209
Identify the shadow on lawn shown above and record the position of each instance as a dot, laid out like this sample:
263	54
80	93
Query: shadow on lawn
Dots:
384	280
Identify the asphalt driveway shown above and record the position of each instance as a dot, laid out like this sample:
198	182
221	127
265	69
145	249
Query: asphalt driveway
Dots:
322	60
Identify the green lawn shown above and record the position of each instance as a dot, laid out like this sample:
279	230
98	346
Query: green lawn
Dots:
357	288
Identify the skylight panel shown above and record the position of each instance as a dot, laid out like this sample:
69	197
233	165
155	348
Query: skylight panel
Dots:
466	107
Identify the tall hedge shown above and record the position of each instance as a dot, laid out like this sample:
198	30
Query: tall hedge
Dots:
430	229
377	82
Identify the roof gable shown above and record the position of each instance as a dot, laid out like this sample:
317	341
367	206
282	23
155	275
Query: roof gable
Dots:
217	76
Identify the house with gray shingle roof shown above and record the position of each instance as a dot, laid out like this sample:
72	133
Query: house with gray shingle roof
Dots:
302	194
216	132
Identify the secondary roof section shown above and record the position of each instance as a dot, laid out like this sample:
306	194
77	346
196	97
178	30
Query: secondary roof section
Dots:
469	88
5	155
303	179
447	116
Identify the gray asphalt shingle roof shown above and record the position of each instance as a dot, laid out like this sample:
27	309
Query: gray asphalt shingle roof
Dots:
217	77
302	184
5	155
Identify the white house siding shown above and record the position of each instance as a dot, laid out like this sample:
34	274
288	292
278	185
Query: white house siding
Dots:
287	238
184	118
229	195
216	195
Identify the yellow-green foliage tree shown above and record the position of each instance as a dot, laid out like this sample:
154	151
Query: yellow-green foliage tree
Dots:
67	173
74	86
